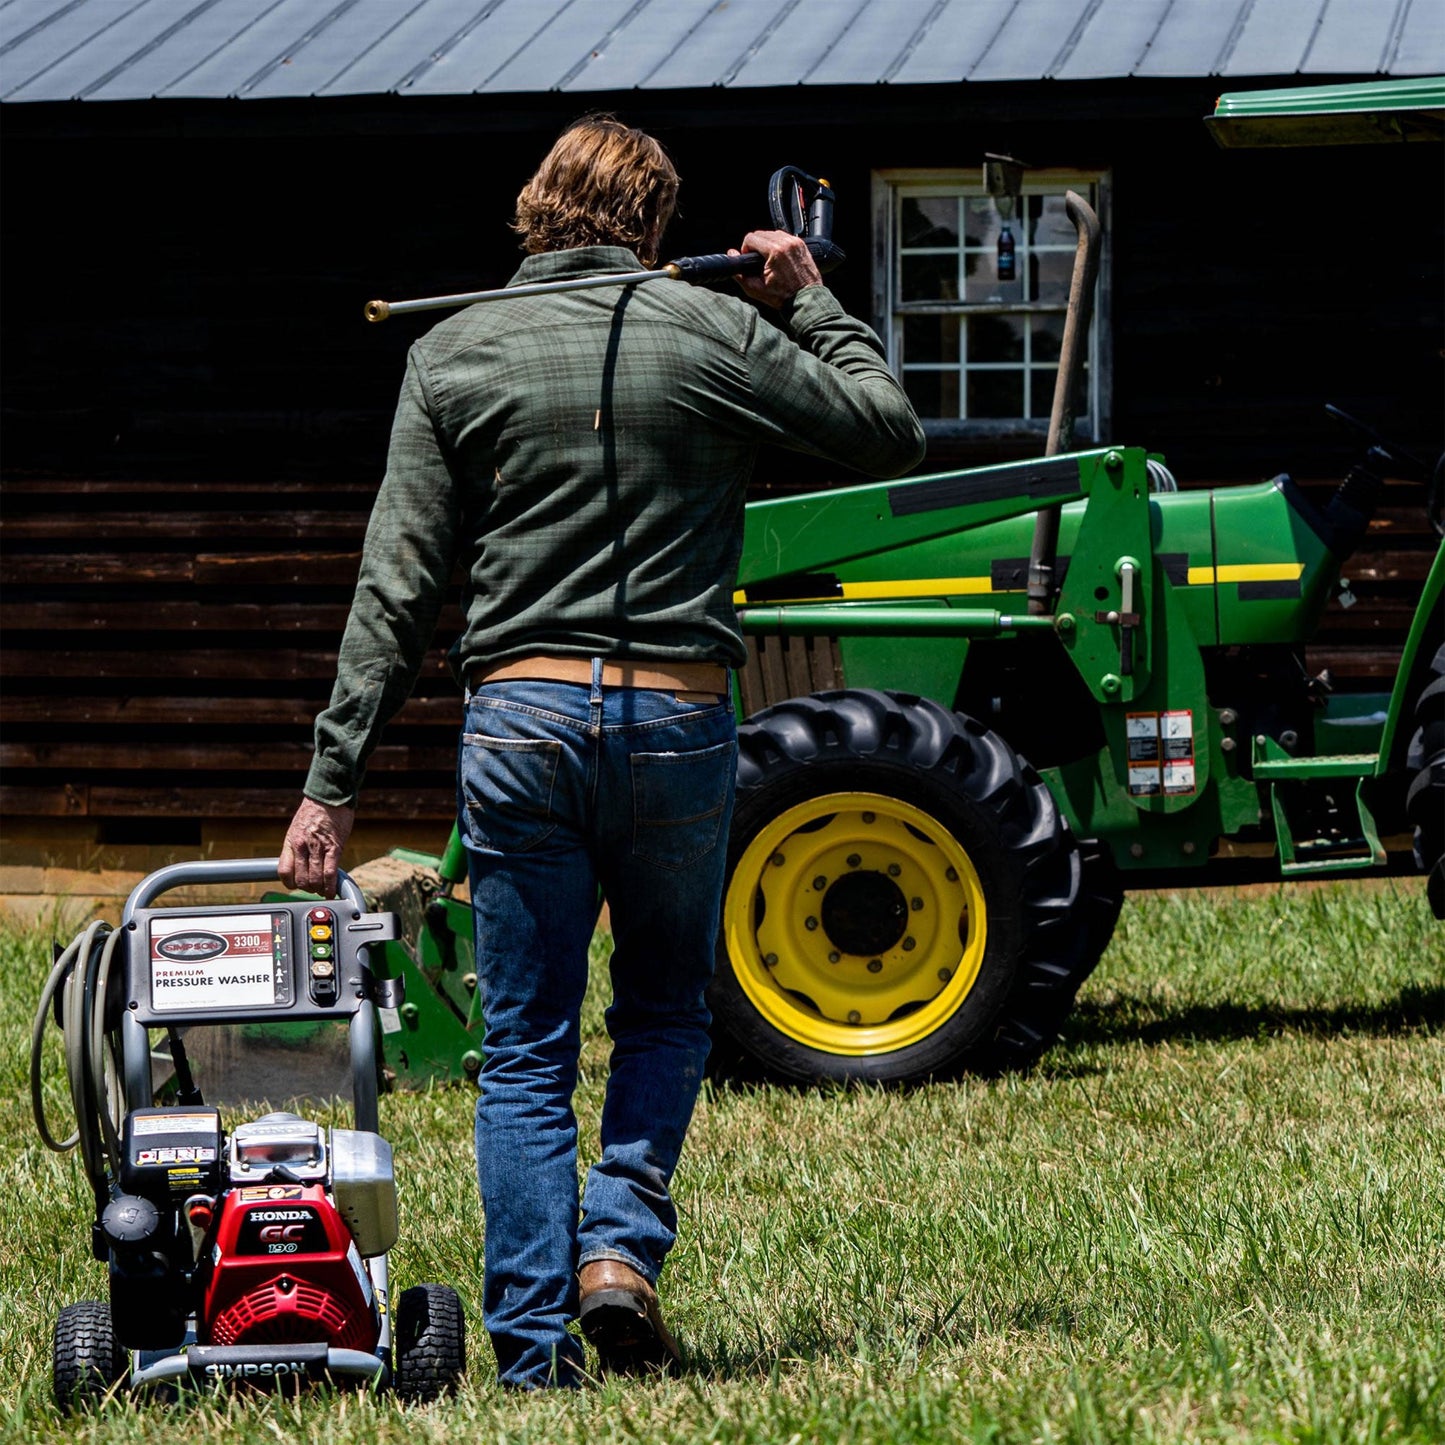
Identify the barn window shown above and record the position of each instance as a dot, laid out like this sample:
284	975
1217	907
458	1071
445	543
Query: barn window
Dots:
978	352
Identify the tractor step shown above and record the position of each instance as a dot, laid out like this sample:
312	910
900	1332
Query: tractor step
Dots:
1273	766
1352	844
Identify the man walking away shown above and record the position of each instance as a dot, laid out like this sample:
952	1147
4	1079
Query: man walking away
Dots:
584	457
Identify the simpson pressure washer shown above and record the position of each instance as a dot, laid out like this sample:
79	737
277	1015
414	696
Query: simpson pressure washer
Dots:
254	1254
800	204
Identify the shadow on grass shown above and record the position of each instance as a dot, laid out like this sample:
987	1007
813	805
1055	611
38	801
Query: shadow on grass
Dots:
1132	1019
811	1342
1135	1019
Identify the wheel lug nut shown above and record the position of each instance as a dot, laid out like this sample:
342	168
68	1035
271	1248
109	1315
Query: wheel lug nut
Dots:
894	870
810	923
854	860
945	974
854	1017
952	875
909	944
778	860
834	956
870	817
916	904
875	965
771	959
819	883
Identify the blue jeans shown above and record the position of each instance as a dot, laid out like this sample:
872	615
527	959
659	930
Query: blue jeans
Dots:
565	789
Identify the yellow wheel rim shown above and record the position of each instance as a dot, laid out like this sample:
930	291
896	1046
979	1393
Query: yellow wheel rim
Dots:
855	923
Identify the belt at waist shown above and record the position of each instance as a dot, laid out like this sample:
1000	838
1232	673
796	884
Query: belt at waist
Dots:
660	677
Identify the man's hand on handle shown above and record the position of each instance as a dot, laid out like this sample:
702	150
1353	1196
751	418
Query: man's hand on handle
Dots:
788	267
311	854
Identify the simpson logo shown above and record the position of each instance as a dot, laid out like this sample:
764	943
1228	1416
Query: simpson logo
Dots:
192	947
252	1369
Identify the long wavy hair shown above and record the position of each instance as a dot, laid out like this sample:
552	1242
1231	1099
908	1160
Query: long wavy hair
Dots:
602	184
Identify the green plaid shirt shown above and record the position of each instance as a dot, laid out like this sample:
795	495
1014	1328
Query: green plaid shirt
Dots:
584	456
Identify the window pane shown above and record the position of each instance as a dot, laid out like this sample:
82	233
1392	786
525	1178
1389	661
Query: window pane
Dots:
1048	337
996	393
996	338
980	221
1050	274
929	221
981	279
928	278
933	393
930	338
1041	391
1049	223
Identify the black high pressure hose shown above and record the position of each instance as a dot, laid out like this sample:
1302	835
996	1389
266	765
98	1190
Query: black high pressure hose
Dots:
82	978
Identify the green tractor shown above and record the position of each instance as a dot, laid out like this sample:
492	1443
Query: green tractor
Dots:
981	705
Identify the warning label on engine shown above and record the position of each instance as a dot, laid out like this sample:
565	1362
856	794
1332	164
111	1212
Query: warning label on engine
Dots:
1161	752
225	961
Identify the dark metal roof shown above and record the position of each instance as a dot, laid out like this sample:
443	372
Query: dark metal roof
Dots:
251	49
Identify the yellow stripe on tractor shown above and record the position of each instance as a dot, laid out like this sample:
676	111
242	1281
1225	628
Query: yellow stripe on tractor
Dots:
1246	572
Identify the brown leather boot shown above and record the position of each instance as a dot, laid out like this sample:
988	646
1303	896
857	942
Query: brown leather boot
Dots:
620	1315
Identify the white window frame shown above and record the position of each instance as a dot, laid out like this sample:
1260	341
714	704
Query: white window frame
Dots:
1094	423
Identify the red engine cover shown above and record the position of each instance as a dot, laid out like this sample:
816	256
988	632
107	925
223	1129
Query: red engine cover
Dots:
284	1270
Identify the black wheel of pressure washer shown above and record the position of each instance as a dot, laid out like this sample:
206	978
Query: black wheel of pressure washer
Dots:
1425	799
87	1360
430	1345
903	899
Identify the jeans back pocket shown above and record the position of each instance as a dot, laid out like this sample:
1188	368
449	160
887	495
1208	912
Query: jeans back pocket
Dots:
679	800
507	786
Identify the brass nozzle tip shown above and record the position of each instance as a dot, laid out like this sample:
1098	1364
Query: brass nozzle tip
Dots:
376	310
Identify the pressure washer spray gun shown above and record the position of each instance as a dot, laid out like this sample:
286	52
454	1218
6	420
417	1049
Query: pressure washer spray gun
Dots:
800	204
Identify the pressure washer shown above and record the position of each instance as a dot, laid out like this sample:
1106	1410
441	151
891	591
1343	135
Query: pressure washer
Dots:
799	203
254	1253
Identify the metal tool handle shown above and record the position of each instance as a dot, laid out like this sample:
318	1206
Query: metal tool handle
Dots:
221	870
696	269
1073	351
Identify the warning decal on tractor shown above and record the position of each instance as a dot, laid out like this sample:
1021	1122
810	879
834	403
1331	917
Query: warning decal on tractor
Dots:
218	961
1141	729
1177	731
1161	752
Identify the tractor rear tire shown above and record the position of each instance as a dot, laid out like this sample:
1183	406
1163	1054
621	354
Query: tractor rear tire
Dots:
904	899
430	1347
1425	798
1101	898
87	1359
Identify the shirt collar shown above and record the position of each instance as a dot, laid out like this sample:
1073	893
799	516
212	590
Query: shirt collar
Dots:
575	261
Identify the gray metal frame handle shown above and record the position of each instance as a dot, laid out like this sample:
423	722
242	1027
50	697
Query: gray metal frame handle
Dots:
135	1045
221	870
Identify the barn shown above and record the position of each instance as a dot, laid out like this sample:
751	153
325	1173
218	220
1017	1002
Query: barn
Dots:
200	195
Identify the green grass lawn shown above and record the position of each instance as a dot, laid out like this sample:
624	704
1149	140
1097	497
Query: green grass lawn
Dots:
1214	1213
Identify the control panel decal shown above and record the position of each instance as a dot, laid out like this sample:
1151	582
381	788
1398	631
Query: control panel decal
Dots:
251	970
